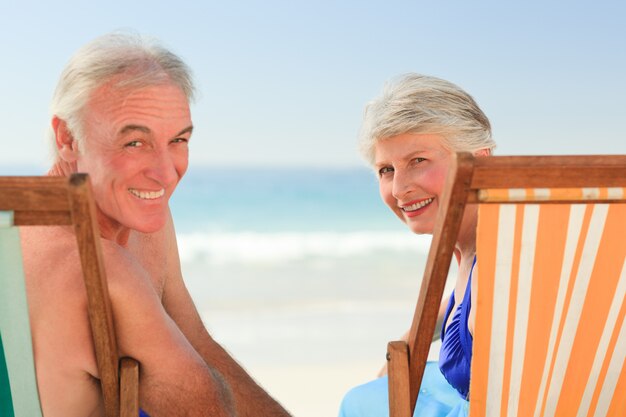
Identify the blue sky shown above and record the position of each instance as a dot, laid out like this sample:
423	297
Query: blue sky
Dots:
283	83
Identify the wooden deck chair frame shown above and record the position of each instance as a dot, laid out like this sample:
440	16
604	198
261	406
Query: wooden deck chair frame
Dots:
68	201
467	176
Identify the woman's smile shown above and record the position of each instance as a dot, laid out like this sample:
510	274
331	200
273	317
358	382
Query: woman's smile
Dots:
415	208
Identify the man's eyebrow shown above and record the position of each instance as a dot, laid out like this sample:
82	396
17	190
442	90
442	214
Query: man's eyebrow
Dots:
188	129
130	128
145	129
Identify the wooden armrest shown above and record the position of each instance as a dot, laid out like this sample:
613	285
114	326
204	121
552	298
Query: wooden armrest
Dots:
398	382
129	387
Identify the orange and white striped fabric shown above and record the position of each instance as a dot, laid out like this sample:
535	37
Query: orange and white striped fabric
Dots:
550	332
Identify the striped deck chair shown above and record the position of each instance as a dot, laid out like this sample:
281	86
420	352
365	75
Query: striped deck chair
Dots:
550	332
28	201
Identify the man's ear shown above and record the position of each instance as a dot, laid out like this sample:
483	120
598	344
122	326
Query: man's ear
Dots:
482	152
66	145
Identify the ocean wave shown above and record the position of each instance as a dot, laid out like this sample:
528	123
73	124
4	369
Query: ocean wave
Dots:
256	247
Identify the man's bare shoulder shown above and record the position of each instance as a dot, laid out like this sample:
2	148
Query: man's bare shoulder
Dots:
51	258
56	288
51	263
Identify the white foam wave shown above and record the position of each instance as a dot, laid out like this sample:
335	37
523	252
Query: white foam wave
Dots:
255	247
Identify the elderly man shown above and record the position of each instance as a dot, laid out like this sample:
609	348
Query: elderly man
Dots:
121	114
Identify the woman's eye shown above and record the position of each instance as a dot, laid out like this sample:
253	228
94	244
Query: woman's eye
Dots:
384	170
134	144
418	160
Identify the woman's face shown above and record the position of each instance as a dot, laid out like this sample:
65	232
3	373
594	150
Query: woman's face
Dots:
412	169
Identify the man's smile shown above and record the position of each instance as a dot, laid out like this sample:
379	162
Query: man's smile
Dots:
147	195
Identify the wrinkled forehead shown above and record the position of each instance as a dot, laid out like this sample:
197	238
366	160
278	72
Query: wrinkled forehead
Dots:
113	107
120	89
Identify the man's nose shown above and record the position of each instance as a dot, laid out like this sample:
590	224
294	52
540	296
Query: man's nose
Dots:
163	168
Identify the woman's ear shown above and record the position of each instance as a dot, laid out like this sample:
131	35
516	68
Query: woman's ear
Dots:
482	152
66	145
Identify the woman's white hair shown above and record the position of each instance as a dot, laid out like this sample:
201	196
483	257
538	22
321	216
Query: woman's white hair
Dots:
127	61
414	103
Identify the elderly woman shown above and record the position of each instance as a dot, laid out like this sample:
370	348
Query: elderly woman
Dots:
409	135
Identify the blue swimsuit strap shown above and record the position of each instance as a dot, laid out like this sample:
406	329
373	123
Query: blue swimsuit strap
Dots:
465	335
466	303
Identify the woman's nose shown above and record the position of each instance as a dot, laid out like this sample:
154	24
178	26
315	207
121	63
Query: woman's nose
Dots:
402	184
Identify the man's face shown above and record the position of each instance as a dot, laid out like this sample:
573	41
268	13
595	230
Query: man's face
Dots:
135	150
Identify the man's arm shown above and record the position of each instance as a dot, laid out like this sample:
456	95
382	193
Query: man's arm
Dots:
249	398
174	378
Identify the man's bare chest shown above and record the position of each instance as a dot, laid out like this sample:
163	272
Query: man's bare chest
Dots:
151	257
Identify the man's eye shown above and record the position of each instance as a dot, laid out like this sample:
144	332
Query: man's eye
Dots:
418	160
134	144
384	170
180	140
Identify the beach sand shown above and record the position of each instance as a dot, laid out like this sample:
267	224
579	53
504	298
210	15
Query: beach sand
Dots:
311	391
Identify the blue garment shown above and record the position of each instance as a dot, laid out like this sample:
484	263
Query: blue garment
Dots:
436	398
455	356
143	413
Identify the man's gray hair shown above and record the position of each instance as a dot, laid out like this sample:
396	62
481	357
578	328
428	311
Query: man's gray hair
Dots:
127	61
414	103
